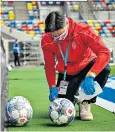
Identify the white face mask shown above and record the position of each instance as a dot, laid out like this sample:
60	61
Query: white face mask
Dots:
62	36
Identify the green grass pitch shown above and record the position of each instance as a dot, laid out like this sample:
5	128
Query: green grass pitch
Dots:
31	83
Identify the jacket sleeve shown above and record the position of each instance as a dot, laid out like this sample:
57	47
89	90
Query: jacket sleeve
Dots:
49	65
95	43
14	47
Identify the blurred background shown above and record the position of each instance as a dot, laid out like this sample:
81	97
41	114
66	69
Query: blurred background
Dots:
25	21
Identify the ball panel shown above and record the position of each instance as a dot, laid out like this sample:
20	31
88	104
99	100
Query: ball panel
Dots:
23	112
18	105
15	114
57	122
54	115
63	119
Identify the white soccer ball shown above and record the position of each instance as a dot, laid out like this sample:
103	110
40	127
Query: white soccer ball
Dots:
10	67
18	111
61	111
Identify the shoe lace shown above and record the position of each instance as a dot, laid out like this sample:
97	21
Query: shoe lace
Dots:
85	106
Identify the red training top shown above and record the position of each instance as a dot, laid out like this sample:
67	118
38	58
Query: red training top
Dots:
85	45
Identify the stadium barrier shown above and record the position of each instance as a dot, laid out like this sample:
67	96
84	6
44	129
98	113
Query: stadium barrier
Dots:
3	85
106	99
16	34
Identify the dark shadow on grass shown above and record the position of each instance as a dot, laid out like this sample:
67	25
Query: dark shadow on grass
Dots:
41	116
10	126
28	79
53	125
15	79
77	118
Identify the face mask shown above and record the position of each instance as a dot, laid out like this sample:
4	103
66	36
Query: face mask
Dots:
62	36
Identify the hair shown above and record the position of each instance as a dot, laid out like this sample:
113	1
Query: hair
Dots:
54	21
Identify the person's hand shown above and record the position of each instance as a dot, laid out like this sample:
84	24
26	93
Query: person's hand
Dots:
18	54
53	93
88	85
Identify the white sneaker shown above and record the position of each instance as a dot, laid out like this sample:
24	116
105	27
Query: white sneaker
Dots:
84	111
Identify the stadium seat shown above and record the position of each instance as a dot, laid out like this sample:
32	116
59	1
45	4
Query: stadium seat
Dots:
19	29
13	24
97	32
18	25
102	0
1	22
30	27
96	0
30	22
24	27
29	6
97	25
10	3
103	25
37	30
90	22
104	28
51	2
103	4
75	7
34	3
92	1
11	15
32	10
36	26
31	33
31	17
101	32
41	27
24	22
107	22
5	14
1	11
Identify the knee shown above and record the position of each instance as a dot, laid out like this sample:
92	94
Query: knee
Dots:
107	69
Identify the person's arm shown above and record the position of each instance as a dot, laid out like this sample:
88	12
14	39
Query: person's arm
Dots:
95	43
49	66
14	47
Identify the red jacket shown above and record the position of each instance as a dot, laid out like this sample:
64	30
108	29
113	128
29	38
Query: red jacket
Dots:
85	45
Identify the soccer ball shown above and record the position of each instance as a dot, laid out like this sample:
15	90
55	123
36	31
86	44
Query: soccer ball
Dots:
61	111
9	67
18	111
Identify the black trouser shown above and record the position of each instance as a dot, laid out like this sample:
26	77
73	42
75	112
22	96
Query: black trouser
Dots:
16	59
75	81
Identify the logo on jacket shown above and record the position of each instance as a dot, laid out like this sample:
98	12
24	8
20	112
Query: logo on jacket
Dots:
74	45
